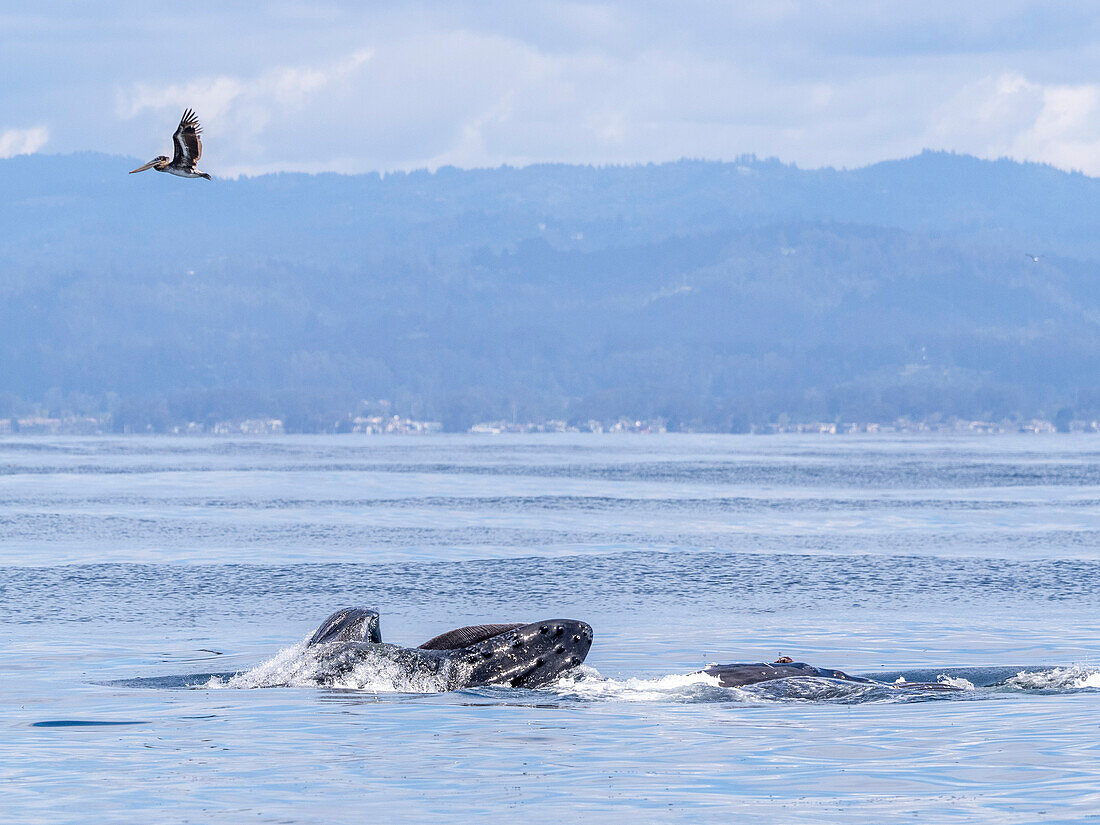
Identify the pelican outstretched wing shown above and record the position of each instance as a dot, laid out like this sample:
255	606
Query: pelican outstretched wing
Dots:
188	143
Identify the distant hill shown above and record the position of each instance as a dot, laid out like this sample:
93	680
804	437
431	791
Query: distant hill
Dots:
707	294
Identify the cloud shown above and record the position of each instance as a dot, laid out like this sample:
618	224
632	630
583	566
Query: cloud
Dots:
1009	115
243	114
23	141
284	86
344	86
472	98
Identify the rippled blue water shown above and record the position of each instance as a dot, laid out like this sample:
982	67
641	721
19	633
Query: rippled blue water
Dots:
130	562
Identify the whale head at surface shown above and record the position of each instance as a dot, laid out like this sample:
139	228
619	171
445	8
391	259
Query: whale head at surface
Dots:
348	648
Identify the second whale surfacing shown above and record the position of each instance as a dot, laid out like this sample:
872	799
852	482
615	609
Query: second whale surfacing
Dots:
743	674
515	655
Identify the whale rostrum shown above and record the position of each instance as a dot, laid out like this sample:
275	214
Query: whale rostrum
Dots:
516	655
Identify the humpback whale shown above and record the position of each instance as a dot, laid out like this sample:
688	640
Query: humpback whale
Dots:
516	655
750	673
742	674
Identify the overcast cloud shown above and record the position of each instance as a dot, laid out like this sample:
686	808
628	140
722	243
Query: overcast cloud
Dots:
335	86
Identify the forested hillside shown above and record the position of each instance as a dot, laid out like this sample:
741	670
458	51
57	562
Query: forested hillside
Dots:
708	294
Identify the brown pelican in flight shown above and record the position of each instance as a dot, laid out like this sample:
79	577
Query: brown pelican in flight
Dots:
188	151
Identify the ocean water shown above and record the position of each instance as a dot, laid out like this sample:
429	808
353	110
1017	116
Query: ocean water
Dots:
154	593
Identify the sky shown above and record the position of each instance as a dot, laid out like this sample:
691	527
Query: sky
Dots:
360	86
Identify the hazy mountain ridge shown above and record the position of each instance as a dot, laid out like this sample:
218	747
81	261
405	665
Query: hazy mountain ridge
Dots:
704	293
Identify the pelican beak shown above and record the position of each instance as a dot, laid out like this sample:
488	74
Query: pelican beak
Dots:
149	165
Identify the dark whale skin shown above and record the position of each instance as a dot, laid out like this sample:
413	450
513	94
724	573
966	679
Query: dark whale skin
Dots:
750	673
741	674
529	656
521	656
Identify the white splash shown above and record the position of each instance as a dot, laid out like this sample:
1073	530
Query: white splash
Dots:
586	683
1074	677
955	682
302	666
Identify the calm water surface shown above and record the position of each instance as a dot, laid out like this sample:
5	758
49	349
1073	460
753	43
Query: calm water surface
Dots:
133	568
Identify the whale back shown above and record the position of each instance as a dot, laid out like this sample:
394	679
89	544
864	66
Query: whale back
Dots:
465	636
741	674
351	624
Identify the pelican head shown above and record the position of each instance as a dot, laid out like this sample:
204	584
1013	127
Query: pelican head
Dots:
158	162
